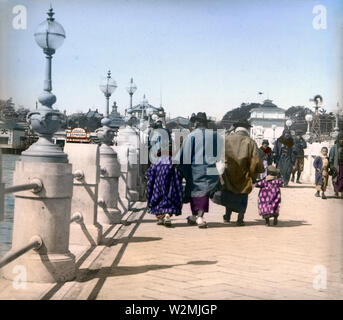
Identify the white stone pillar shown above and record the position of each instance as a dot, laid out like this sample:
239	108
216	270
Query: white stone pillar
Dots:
45	214
132	175
108	212
2	193
85	159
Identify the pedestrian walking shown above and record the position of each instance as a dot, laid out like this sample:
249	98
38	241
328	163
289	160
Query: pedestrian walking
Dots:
267	151
199	167
321	164
243	164
269	197
299	146
164	186
284	155
336	164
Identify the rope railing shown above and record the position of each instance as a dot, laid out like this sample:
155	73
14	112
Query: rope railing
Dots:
34	243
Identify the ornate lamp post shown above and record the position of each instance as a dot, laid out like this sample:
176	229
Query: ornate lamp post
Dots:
144	106
131	89
47	212
109	166
107	86
336	128
105	133
150	112
45	120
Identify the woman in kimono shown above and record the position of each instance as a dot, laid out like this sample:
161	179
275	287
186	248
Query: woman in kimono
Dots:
336	165
164	187
199	168
284	155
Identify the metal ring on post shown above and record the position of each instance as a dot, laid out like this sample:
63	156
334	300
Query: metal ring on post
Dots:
101	203
38	242
79	175
77	217
39	184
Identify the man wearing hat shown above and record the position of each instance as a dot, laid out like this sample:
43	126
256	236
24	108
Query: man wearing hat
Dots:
267	151
299	146
284	155
199	168
242	167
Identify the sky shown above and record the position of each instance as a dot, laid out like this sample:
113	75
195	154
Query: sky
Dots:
191	55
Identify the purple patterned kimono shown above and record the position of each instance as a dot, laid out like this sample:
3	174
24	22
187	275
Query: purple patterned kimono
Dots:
269	197
164	189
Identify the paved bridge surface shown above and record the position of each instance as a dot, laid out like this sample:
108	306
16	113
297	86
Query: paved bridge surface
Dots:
301	258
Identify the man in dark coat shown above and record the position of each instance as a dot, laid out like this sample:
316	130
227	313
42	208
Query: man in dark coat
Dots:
299	146
284	155
267	151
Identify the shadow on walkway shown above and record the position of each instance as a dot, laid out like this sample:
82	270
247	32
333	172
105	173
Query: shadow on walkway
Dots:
132	239
86	274
281	223
300	186
334	197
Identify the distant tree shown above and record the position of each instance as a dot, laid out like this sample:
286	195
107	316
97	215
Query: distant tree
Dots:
241	113
87	121
21	113
298	112
7	110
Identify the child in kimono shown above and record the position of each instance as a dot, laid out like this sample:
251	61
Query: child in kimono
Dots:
269	197
321	164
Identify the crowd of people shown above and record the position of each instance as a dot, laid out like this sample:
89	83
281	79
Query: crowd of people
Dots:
202	171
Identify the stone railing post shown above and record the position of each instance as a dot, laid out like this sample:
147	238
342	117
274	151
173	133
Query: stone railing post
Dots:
108	212
86	171
2	193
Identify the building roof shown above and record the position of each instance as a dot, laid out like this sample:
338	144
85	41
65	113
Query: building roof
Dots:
268	105
13	124
143	106
94	114
116	119
181	120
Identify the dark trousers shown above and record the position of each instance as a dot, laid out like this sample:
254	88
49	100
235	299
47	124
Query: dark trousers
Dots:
228	213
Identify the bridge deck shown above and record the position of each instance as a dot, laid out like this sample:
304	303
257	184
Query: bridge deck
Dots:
147	261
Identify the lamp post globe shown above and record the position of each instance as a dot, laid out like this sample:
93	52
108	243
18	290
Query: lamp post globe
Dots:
308	117
50	34
289	123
